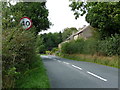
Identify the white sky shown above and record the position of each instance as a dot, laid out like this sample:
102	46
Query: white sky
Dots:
61	16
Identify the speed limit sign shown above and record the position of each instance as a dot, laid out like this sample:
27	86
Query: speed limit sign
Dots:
26	23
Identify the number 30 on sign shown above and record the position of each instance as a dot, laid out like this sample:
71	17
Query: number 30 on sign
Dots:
26	23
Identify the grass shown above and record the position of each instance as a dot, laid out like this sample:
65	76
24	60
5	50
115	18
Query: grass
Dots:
34	78
104	60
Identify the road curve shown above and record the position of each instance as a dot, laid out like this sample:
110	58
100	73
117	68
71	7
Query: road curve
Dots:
65	73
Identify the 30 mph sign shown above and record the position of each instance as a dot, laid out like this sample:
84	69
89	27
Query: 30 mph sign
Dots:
26	23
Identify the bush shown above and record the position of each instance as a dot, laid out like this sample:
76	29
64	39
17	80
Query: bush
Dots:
90	46
73	47
18	53
48	52
55	50
108	47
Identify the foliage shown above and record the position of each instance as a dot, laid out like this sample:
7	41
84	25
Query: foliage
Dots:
107	47
48	52
35	77
102	15
18	51
45	42
40	47
73	46
50	41
17	54
36	11
55	50
67	32
110	46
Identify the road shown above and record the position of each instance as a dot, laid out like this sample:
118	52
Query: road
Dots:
65	73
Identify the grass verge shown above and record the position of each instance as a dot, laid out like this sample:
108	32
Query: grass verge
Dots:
34	78
108	61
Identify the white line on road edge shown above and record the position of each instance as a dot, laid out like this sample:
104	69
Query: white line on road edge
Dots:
65	62
96	76
58	60
77	67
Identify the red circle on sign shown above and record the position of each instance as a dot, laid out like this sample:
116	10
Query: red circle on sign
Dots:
29	20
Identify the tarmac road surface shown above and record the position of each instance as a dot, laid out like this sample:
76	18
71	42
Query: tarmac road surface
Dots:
65	73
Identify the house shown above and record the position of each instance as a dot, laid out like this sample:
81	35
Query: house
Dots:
84	33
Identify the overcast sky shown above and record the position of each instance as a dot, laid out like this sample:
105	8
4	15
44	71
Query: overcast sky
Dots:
61	16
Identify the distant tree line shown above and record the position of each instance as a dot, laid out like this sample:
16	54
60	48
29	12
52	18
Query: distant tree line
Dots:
45	42
49	41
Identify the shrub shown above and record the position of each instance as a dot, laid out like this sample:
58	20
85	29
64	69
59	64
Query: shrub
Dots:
54	50
18	53
90	46
108	47
48	52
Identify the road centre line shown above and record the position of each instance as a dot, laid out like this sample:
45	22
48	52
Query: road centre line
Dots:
65	62
87	71
96	76
58	60
77	67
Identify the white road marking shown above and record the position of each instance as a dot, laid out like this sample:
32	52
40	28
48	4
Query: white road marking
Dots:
96	76
45	56
58	60
77	67
81	69
65	62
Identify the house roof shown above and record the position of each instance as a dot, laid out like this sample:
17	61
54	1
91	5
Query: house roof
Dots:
80	31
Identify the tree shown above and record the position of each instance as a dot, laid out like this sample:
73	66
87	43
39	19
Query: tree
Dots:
105	16
40	47
36	11
57	38
67	32
46	42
